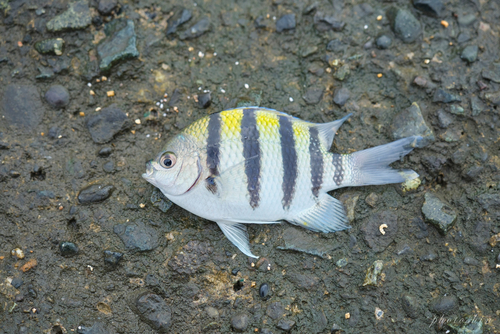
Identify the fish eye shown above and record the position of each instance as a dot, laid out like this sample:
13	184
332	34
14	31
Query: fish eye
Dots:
167	160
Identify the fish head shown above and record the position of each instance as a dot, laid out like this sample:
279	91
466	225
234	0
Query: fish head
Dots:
177	169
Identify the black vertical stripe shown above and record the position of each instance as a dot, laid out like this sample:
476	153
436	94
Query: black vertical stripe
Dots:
289	157
338	177
316	161
213	144
251	153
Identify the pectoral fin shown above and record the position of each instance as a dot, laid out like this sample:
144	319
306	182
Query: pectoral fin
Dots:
238	235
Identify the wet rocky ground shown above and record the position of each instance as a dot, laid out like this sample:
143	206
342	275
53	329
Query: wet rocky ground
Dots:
91	90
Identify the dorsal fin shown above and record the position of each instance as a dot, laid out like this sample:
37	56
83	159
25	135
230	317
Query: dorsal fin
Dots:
327	131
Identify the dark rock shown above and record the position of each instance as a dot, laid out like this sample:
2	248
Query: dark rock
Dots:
440	95
180	17
471	261
404	24
463	37
235	271
355	317
286	324
18	298
300	241
490	203
76	17
466	20
341	96
109	167
137	236
97	328
68	248
376	240
4	145
264	290
323	22
493	98
410	306
286	22
445	304
240	322
16	282
476	105
95	193
105	7
112	258
266	331
275	310
444	119
438	213
473	173
492	73
119	44
105	151
313	95
428	257
160	201
470	53
335	46
201	27
53	46
434	8
45	73
306	282
154	311
175	98
21	107
260	22
384	42
57	96
107	123
204	100
54	132
191	257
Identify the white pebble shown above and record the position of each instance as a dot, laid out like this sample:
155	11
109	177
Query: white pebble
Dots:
199	88
291	99
147	136
201	54
161	106
89	84
366	26
236	63
246	86
137	121
157	103
222	90
164	114
215	54
274	18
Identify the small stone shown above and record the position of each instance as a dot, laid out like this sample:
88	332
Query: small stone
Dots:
16	282
264	290
404	24
375	240
441	95
105	7
119	44
323	22
286	324
445	304
313	95
191	257
112	258
154	311
204	100
341	262
463	37
160	201
105	152
371	200
410	306
373	272
77	16
21	107
493	98
286	22
470	53
137	236
95	193
384	42
68	248
472	174
335	46
457	110
342	72
53	46
438	213
275	310
107	123
180	17
96	328
109	167
240	322
434	8
341	96
492	73
471	261
444	119
404	250
466	20
300	241
201	27
476	105
57	96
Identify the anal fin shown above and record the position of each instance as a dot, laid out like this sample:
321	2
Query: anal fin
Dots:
238	235
328	215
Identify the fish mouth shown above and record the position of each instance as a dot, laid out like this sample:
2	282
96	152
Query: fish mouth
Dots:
149	171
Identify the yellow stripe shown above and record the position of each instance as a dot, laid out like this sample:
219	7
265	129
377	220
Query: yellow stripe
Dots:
301	134
231	124
198	129
268	124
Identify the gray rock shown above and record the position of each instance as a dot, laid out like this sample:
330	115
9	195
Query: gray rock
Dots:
371	230
429	257
286	324
154	311
180	17
68	248
306	282
471	261
95	193
21	107
492	73
434	8
77	16
313	95
240	322
470	53
342	72
404	24
384	42
467	20
410	306
410	122
335	45
112	258
341	96
57	96
472	174
53	46
204	100
160	201
440	95
286	22
212	312
438	213
105	7
275	310
445	304
476	105
463	37
119	44
444	118
137	236
107	123
201	27
493	98
300	241
109	166
373	273
323	22
191	257
456	110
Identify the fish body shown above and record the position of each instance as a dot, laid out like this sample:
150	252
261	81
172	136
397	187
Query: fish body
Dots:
260	166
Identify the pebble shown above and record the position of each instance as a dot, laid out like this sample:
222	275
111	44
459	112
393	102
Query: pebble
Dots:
410	306
68	248
160	201
154	311
266	331
445	304
404	24
372	199
17	252
191	257
77	16
119	44
440	95
286	22
95	193
109	167
204	100
286	324
105	7
264	290
212	312
54	132
466	20
375	240
235	271
384	42
493	98
16	282
463	37
106	124
373	272
323	22
181	16
434	8
335	45
57	96
470	53
112	258
428	257
240	322
438	213
341	262
303	281
313	95
96	328
476	105
105	152
201	27
21	107
410	122
444	119
301	241
471	261
342	73
53	46
137	236
492	73
275	310
456	110
341	96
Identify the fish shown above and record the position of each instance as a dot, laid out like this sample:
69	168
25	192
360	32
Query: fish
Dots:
256	165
